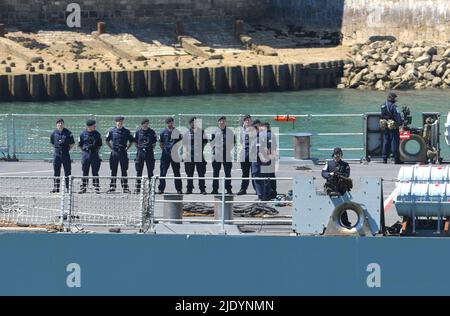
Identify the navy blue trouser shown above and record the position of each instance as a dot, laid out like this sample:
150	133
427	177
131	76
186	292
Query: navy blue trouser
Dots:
144	158
391	143
246	168
227	166
58	161
90	160
190	167
165	163
263	187
116	158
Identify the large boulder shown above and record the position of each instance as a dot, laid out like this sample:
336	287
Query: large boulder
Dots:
437	58
416	52
430	50
410	74
441	68
436	81
356	80
422	60
433	66
380	70
380	85
400	60
429	76
446	53
403	50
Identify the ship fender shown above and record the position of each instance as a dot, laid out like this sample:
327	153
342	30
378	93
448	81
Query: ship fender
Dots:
420	155
336	227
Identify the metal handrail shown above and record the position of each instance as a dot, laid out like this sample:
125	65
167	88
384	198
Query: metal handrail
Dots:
13	148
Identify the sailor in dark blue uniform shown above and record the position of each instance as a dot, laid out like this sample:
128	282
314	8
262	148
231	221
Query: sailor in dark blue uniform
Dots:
119	139
245	141
62	141
222	142
145	139
194	141
264	166
170	141
90	142
391	134
331	172
333	169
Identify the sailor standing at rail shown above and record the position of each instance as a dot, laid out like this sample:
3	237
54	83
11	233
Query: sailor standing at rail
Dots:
194	141
145	139
119	139
272	153
222	142
390	123
62	141
245	141
170	141
90	142
264	166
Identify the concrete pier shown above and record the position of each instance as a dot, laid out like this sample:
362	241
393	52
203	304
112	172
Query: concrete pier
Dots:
169	82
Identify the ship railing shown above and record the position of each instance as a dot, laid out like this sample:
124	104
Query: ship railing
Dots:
26	136
221	199
323	127
28	201
88	202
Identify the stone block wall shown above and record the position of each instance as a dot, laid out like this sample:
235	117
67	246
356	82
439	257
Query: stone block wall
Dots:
407	20
47	12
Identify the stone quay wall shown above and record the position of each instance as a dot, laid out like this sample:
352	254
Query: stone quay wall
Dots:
47	12
358	20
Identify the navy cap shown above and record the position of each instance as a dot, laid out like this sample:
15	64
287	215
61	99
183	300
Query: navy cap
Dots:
146	120
119	118
337	150
392	96
248	116
256	122
192	119
169	119
60	120
90	122
222	118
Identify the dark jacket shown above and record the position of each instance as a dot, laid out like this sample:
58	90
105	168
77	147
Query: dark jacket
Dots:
341	167
389	112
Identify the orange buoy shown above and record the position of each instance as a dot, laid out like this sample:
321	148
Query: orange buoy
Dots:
285	118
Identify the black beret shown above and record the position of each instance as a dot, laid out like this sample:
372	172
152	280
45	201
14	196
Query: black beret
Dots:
146	120
60	120
192	119
119	118
90	122
169	119
222	118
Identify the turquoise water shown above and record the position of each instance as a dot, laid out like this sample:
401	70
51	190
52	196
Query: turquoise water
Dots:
324	101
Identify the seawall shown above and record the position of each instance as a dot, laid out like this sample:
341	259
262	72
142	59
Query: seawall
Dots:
169	82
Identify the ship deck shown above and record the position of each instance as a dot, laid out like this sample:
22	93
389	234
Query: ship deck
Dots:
286	170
